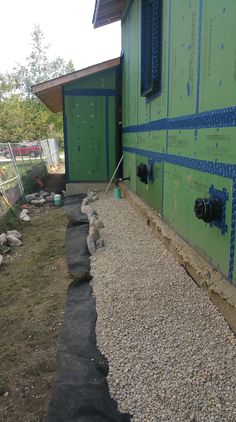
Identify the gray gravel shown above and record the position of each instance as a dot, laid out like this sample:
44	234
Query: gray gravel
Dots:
172	356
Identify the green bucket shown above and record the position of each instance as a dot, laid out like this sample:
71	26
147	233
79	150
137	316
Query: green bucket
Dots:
117	193
57	200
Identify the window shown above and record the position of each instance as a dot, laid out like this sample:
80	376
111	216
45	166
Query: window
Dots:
151	47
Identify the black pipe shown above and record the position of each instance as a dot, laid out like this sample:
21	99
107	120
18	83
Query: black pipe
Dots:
121	180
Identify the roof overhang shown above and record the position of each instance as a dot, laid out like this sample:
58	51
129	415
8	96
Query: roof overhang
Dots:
50	92
107	11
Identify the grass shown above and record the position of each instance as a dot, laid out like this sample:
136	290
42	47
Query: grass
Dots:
33	286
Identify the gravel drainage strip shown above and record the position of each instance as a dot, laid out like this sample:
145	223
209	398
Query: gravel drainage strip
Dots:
171	354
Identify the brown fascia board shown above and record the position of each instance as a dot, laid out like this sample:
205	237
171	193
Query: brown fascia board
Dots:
106	11
78	74
49	92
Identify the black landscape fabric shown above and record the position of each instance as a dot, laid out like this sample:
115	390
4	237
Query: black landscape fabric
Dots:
81	391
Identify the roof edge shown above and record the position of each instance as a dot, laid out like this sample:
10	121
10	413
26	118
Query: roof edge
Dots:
78	74
107	12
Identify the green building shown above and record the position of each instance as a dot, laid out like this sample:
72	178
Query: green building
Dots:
179	115
178	68
91	101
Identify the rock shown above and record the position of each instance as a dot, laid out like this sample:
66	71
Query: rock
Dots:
97	224
15	233
32	196
26	218
39	202
91	245
1	260
49	198
92	220
100	243
13	241
91	214
86	209
23	213
3	239
44	194
92	196
94	233
85	201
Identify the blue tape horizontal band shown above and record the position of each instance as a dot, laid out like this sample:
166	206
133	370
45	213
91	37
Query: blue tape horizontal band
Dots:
225	117
90	92
211	167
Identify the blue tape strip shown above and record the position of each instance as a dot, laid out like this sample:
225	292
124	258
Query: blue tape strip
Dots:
107	139
91	92
168	80
232	236
199	55
211	167
162	189
223	196
225	117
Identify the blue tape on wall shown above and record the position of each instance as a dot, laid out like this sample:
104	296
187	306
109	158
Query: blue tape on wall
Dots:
107	139
211	167
232	237
225	117
199	55
162	189
91	92
168	79
223	196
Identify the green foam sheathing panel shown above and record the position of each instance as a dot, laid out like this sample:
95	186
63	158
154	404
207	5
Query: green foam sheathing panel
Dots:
198	77
91	127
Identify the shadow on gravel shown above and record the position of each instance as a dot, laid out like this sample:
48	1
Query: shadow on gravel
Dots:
81	391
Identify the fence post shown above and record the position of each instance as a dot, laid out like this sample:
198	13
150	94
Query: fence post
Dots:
16	169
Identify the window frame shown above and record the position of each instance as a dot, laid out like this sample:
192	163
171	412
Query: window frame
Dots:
151	47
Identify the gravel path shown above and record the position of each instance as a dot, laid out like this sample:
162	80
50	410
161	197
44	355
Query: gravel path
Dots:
172	356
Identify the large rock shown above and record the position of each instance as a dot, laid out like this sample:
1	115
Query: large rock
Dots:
15	233
3	239
39	202
13	241
91	244
31	196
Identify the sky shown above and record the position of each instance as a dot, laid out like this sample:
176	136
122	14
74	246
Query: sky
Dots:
68	30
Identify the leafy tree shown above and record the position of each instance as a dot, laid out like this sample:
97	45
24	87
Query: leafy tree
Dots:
7	85
23	119
39	68
22	115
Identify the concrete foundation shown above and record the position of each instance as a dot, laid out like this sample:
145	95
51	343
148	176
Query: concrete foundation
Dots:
76	188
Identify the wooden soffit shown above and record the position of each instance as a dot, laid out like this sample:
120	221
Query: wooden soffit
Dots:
107	11
50	92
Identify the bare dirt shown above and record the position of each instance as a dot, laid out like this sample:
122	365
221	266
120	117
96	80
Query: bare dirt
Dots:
33	287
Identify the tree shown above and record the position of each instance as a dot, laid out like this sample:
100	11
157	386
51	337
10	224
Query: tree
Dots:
39	68
7	85
23	119
23	116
